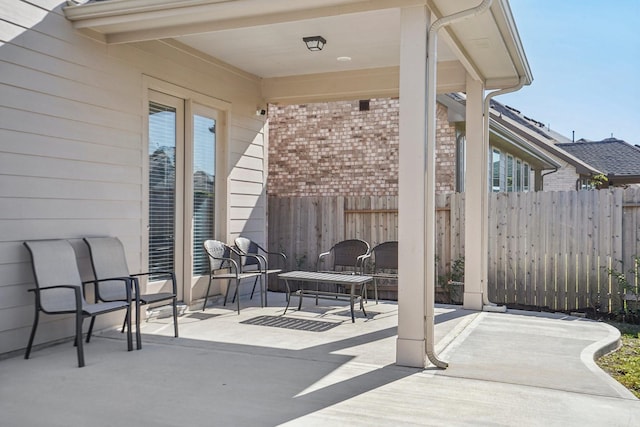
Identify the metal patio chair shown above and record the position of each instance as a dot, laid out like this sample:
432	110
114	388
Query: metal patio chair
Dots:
108	260
59	290
259	260
223	266
382	259
345	257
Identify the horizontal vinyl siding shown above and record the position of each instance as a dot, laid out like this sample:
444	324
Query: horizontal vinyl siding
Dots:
247	213
70	154
72	148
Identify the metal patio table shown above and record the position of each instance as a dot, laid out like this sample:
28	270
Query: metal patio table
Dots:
333	278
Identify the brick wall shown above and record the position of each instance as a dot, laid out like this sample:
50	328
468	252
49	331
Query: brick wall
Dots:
445	152
564	179
334	149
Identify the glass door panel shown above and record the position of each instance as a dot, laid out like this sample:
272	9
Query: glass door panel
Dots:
165	170
162	186
204	160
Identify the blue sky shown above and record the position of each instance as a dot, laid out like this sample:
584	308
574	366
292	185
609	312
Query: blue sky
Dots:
585	59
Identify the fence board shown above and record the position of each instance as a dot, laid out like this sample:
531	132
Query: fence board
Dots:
545	249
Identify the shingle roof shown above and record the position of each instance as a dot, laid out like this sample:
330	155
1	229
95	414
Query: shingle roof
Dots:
612	156
515	115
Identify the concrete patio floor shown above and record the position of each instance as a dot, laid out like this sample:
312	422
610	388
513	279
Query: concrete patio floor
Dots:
315	367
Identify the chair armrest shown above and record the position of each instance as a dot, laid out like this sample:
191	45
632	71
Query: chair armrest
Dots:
75	289
232	262
264	266
262	261
321	258
267	253
281	255
171	275
127	285
362	260
40	290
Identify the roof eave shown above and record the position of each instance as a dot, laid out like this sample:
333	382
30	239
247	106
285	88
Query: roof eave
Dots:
507	25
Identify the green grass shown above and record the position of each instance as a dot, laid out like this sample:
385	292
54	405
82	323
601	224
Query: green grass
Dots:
624	364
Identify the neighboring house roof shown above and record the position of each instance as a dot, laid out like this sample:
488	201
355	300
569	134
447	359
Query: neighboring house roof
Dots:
536	133
537	139
503	111
614	157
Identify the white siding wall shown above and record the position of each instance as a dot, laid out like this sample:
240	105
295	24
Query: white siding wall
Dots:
72	147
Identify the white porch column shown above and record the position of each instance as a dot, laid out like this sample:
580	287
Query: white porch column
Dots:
476	199
410	350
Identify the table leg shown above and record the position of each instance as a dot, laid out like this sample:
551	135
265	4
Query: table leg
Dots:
353	291
362	303
286	284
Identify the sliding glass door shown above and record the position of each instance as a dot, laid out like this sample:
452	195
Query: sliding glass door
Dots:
181	188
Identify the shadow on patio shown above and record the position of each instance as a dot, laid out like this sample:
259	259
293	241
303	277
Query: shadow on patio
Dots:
314	367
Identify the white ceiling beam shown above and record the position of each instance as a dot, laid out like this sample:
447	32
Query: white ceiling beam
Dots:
350	85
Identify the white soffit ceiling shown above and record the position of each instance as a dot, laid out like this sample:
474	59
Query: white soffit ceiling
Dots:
370	39
264	37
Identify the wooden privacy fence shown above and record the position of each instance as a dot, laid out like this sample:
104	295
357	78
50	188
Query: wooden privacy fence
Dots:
546	249
554	249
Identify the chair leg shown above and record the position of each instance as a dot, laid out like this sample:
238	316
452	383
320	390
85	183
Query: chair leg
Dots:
237	294
79	349
375	289
254	288
226	294
261	292
175	317
266	289
129	336
137	305
33	333
124	324
93	320
206	296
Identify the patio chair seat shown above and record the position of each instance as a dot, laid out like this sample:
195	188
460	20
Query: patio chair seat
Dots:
238	276
153	298
104	307
59	290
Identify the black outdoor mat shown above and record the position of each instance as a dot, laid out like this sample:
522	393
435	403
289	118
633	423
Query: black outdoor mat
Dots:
289	323
357	312
203	316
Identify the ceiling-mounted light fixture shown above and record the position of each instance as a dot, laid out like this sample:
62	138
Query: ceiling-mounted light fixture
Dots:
314	43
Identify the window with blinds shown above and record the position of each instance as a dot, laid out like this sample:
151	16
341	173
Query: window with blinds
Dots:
162	186
461	142
510	176
204	148
495	181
